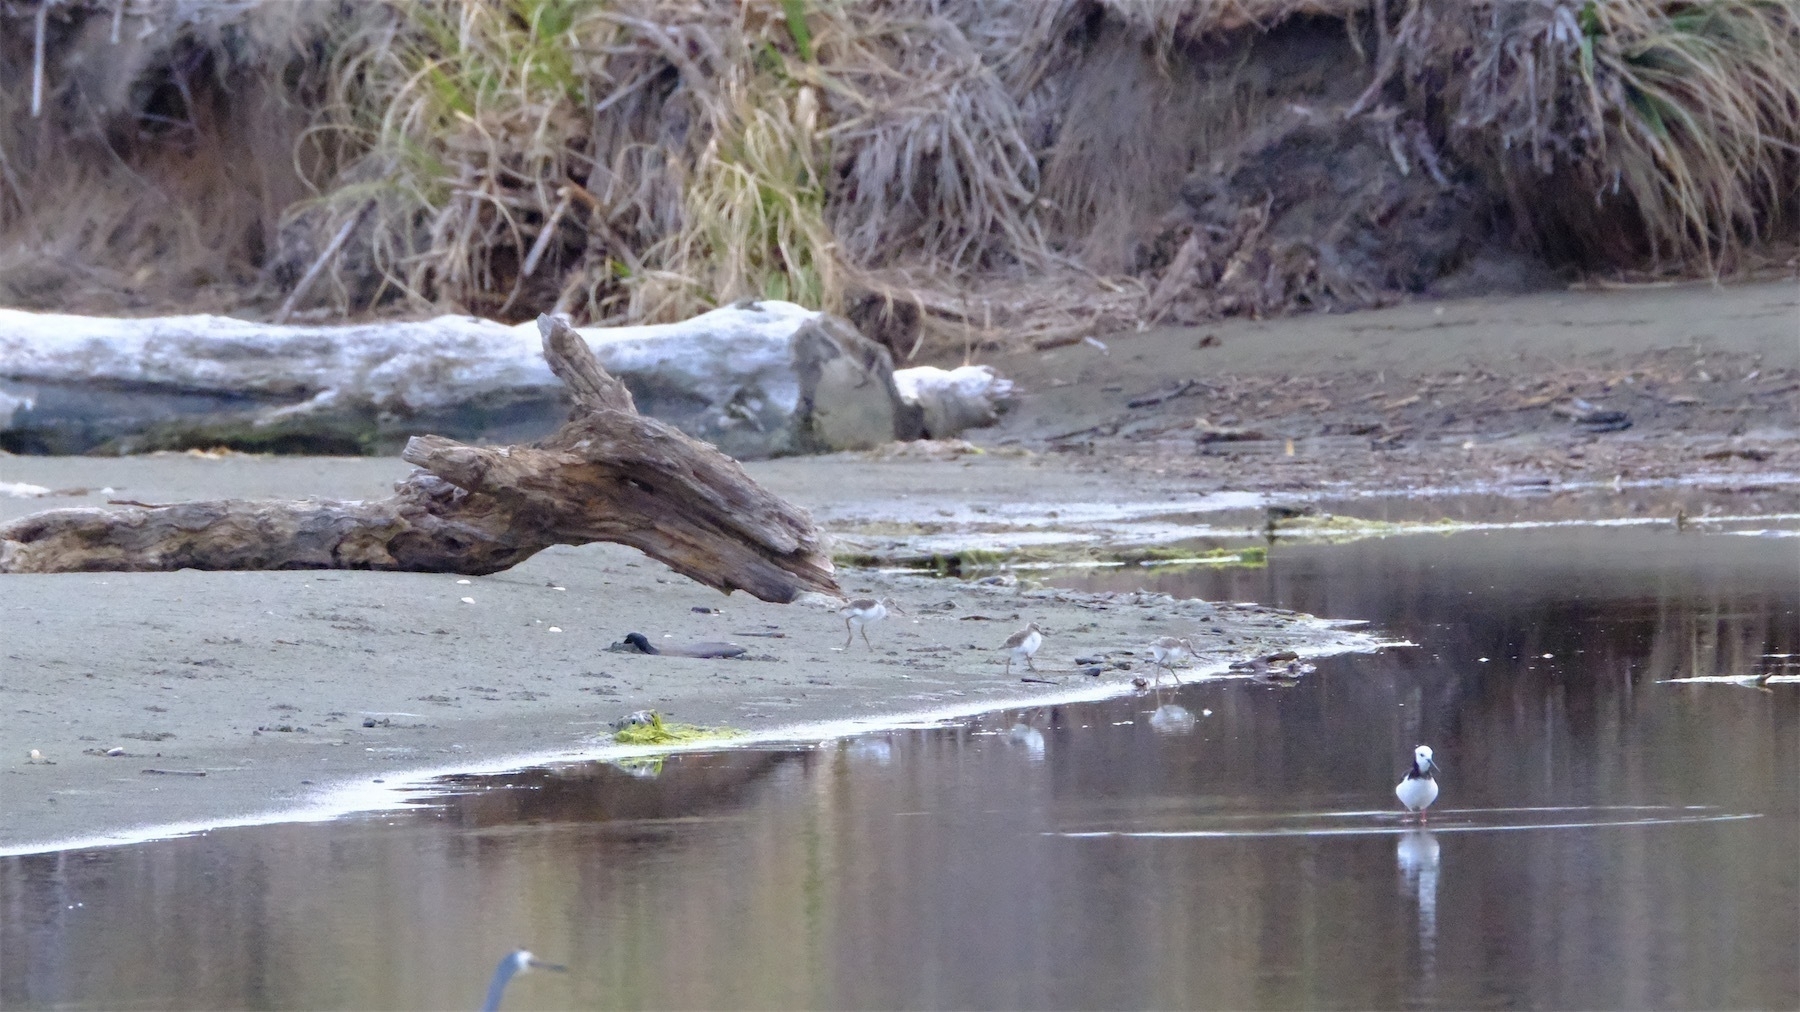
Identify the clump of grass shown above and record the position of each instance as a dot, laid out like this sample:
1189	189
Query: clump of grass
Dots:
754	208
1248	556
932	155
994	166
660	159
1168	22
132	147
455	120
1658	129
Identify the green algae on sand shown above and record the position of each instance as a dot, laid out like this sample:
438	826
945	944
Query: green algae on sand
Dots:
651	729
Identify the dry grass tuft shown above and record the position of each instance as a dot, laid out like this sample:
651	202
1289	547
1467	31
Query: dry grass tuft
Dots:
1000	171
158	163
1628	130
729	152
931	149
1169	22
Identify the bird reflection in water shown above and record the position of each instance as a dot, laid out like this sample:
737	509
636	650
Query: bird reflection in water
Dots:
1030	737
870	750
1417	856
1171	717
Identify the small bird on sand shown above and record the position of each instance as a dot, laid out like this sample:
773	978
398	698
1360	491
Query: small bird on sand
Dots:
1420	788
862	613
1022	645
1165	652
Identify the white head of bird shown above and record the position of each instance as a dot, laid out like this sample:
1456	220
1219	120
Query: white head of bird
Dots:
510	964
1418	789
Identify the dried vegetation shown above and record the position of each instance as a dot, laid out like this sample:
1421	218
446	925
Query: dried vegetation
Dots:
950	173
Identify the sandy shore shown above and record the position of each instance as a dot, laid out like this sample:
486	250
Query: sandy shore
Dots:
268	683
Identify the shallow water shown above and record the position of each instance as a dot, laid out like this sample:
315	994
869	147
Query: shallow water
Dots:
1605	838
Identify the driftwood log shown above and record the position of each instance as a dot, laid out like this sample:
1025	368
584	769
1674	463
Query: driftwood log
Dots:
757	379
609	474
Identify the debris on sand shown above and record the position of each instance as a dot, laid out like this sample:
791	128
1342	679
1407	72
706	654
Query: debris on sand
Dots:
647	727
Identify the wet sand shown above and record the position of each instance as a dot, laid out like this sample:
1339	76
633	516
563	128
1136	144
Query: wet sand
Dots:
265	682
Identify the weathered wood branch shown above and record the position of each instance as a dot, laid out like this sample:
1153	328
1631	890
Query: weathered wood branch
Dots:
609	474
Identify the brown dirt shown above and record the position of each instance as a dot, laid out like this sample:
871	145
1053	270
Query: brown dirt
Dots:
1428	394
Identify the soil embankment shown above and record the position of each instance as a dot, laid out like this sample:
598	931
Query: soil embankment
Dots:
935	171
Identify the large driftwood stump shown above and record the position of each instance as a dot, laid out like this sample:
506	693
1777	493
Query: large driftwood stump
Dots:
609	474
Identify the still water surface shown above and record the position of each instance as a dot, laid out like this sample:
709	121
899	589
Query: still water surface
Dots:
1604	839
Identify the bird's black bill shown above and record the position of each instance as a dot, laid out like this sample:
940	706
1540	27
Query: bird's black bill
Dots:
538	964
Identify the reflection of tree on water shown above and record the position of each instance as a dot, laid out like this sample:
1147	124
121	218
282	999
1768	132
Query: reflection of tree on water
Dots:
1417	855
1724	634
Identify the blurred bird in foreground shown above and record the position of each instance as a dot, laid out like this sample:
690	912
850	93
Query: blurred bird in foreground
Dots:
510	964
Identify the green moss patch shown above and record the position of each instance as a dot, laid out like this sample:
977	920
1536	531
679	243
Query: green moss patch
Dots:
657	731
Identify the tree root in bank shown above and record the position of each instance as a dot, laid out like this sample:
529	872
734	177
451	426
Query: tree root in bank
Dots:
609	474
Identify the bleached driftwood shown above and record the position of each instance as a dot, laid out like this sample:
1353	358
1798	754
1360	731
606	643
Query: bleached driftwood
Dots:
609	474
951	400
756	379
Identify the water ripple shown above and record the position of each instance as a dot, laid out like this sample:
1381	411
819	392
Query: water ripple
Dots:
1388	823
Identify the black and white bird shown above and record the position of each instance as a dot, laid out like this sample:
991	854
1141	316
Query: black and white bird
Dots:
1419	789
1020	646
637	642
862	613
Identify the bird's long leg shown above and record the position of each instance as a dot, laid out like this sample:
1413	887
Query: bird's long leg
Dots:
849	635
865	632
1009	664
1029	664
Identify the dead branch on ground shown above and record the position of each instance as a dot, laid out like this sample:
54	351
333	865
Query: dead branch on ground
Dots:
609	474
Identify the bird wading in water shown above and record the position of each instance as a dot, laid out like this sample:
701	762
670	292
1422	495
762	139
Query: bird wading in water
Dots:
1165	651
1419	789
